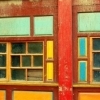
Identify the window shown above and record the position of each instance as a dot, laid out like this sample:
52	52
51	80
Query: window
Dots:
27	53
28	44
87	41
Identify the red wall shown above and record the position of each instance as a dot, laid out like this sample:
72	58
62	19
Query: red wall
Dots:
65	49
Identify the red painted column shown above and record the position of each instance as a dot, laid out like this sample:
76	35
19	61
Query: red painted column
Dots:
65	49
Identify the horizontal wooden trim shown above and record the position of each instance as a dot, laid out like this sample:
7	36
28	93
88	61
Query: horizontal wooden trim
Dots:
30	84
87	85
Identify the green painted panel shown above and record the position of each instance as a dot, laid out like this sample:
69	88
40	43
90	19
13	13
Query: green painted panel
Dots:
89	22
19	26
43	25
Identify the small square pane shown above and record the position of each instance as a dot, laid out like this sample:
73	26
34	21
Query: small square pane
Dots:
35	75
15	61
96	44
96	76
18	47
2	47
43	25
35	47
26	61
2	60
96	59
18	74
38	61
3	73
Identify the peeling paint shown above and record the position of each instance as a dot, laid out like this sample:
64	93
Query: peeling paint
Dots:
60	88
83	2
4	3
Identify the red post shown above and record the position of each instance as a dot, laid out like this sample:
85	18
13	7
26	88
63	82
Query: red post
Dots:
65	49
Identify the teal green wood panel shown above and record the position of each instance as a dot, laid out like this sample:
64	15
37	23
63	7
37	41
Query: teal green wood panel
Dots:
89	22
43	25
82	71
82	47
19	26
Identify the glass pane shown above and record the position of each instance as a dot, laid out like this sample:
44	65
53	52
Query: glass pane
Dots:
26	60
18	74
38	61
43	25
35	47
35	75
19	26
96	44
2	60
18	47
89	22
2	73
2	47
15	61
96	76
96	59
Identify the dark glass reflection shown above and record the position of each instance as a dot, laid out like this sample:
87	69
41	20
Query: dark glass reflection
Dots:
96	59
35	47
18	47
35	75
2	73
2	47
96	76
26	60
18	74
15	61
2	60
38	61
96	44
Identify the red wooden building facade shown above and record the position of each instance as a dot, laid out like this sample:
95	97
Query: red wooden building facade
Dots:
49	49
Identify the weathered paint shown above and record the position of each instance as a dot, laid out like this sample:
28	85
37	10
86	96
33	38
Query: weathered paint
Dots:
85	2
89	96
65	49
30	95
64	44
16	2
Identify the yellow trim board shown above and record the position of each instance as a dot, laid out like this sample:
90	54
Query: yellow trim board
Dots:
49	71
49	49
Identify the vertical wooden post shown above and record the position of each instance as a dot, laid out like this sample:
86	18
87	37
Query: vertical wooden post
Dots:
65	49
